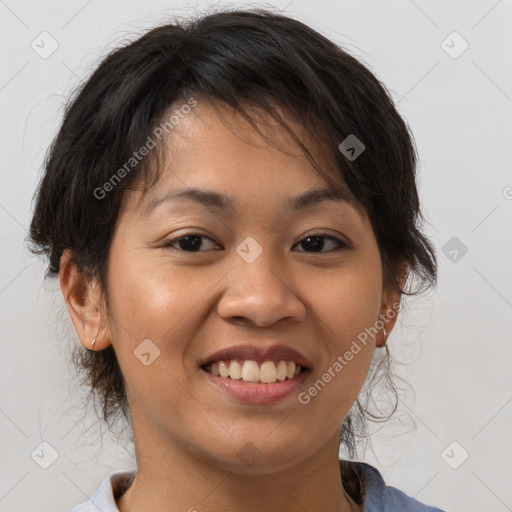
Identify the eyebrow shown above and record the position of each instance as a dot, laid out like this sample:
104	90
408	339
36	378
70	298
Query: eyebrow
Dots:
222	202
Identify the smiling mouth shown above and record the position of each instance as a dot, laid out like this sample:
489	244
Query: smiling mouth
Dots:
268	372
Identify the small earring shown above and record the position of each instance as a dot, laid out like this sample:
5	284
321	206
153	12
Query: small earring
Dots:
385	332
93	341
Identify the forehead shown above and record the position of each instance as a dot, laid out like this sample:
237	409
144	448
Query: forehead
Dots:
213	147
220	136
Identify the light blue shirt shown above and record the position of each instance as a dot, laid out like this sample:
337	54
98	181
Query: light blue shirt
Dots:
379	496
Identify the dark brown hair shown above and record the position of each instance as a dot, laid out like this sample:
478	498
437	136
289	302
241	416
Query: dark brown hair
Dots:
250	60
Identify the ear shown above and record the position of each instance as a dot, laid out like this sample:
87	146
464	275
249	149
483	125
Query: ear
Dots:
390	306
85	303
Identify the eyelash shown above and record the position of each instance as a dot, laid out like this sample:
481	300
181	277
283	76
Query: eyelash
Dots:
340	244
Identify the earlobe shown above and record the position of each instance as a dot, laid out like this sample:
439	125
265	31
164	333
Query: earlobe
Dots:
390	308
387	320
83	299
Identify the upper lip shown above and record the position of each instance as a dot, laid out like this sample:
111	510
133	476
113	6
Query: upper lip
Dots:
258	354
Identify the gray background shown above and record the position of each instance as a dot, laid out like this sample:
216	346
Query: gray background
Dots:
455	342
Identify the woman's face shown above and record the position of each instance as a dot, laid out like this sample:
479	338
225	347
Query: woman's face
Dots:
249	275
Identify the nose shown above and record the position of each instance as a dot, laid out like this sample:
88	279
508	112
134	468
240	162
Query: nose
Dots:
260	293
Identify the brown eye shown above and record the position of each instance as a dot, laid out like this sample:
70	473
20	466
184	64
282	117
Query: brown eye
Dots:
189	243
317	243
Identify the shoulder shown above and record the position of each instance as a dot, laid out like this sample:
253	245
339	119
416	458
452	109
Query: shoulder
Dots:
104	497
383	498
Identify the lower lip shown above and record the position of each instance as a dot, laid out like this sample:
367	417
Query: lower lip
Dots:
257	393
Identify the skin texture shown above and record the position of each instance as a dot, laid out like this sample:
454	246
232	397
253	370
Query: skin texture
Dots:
187	431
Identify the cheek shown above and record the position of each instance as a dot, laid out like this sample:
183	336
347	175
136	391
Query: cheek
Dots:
347	306
151	302
144	290
149	299
348	300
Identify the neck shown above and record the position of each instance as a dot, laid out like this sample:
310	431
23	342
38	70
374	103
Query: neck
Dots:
170	479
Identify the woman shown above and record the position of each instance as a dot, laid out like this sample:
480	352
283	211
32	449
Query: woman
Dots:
230	205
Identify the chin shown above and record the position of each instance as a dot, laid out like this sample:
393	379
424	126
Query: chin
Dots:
261	456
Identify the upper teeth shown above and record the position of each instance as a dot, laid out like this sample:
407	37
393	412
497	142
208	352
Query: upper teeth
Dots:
251	372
